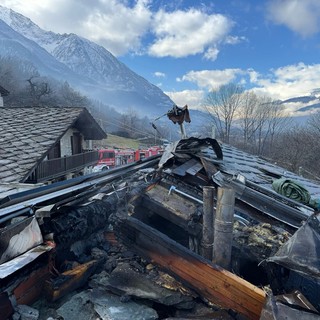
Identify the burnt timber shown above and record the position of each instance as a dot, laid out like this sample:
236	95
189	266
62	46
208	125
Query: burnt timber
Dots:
213	283
164	227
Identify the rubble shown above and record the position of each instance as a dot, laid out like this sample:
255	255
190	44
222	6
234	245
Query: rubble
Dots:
124	280
130	241
296	265
289	306
24	312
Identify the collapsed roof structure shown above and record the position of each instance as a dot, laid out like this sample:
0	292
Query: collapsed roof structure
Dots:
156	209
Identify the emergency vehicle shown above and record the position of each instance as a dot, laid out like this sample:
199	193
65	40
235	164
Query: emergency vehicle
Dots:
110	158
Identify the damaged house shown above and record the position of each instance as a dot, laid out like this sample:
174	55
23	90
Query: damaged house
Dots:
205	224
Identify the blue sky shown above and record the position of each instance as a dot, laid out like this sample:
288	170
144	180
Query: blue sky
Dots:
188	48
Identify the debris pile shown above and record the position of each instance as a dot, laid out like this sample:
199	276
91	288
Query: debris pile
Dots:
128	243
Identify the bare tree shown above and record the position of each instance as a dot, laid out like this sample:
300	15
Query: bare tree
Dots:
28	87
128	125
261	118
223	104
37	89
13	78
278	122
314	122
297	149
248	117
71	97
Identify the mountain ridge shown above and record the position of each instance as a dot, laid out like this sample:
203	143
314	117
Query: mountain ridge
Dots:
95	72
102	76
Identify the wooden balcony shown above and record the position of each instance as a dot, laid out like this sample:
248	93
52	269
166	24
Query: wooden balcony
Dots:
55	168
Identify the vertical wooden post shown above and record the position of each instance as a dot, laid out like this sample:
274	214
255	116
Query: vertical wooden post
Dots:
183	131
223	227
207	223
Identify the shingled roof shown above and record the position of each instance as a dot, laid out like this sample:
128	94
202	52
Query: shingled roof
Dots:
250	176
28	133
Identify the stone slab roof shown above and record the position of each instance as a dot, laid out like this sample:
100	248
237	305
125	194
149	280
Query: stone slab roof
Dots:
260	171
250	176
255	169
27	133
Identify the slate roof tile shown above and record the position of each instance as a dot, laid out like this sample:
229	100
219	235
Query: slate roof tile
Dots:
259	171
26	135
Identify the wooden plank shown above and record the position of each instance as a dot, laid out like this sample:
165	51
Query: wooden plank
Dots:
182	207
209	167
29	290
69	280
170	215
210	281
110	237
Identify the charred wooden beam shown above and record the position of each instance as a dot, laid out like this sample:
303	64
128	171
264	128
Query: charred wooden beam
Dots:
173	208
29	290
69	280
210	281
171	215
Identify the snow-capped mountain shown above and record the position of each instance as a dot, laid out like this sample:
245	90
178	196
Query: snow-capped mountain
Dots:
88	67
15	45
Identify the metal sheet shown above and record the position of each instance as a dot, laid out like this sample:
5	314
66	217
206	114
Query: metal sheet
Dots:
19	238
19	262
186	167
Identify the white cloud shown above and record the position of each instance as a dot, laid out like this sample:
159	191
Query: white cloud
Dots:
253	75
159	74
234	40
121	27
282	83
211	54
182	33
289	81
27	7
302	17
111	23
211	78
193	98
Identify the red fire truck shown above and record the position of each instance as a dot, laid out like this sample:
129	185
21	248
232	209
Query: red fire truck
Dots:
109	158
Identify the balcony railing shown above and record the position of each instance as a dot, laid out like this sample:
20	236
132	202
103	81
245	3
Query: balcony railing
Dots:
54	168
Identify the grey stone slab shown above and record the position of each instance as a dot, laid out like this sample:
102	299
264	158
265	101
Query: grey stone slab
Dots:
99	304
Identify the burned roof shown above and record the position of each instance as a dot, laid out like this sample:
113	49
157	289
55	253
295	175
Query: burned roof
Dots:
28	133
260	171
251	176
133	210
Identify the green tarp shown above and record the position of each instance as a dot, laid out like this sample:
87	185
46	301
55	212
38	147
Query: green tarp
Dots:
295	191
291	189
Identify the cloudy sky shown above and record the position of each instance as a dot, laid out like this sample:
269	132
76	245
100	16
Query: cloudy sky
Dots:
188	48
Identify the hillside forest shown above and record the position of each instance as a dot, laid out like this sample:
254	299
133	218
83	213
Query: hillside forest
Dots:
252	123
